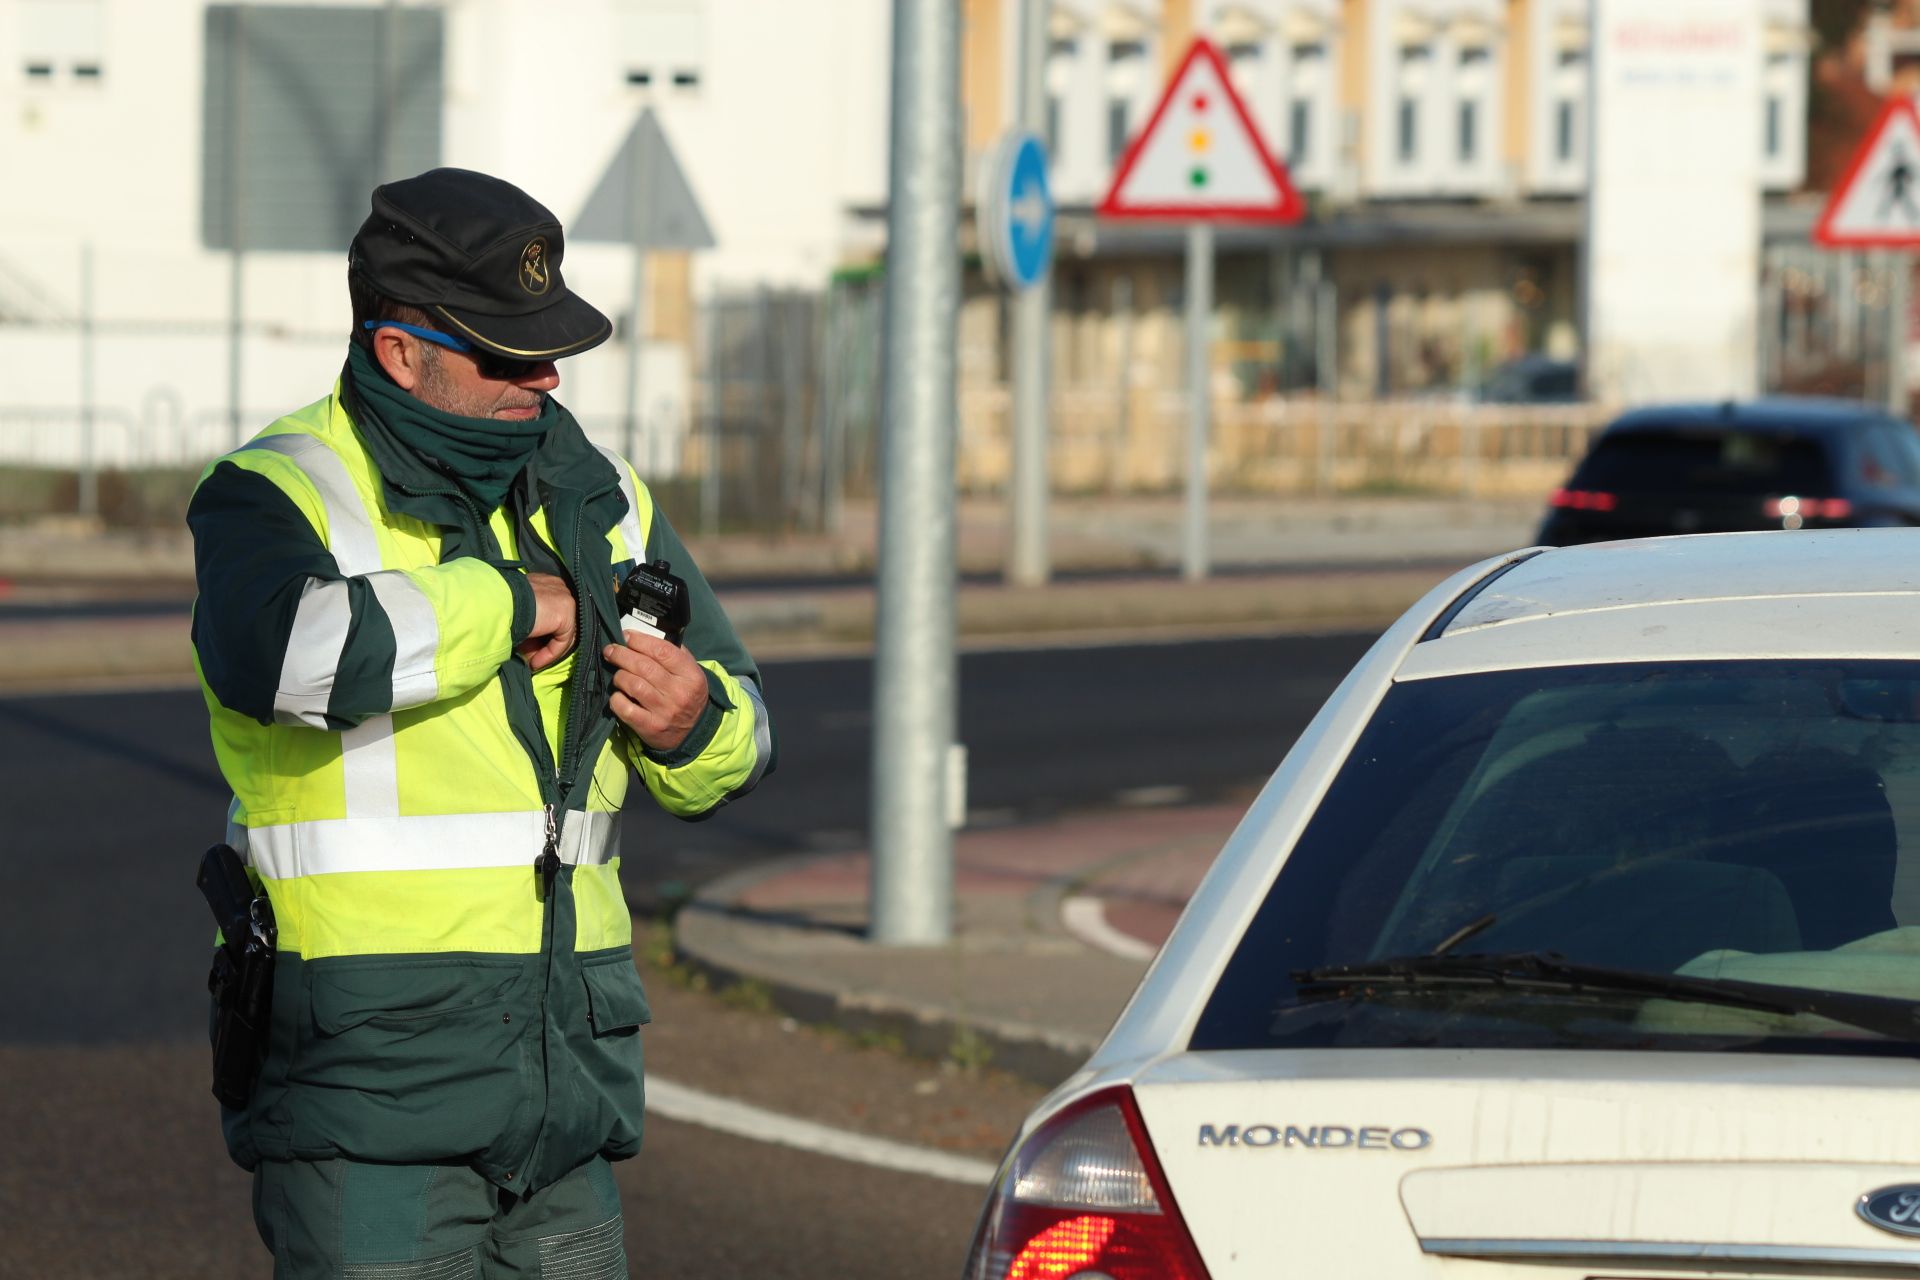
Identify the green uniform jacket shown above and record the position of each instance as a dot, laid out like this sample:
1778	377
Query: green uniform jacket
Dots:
446	991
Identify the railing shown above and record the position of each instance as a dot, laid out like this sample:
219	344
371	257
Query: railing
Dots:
1287	446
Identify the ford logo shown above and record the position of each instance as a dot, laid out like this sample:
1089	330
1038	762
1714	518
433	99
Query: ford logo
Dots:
1895	1209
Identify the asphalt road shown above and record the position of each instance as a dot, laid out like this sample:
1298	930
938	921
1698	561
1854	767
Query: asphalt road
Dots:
113	1164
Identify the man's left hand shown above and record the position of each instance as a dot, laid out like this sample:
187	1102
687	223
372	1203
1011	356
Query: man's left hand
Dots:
659	691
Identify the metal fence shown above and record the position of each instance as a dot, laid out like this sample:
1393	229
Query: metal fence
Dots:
781	425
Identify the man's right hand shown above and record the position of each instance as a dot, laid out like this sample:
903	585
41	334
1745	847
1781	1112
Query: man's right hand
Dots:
555	621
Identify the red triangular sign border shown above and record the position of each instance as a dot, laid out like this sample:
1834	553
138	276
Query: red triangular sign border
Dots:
1291	207
1823	230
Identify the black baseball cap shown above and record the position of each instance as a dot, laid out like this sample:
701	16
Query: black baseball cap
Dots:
482	257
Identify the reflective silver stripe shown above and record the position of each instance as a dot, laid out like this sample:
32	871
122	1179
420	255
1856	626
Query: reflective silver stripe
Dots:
236	830
464	1265
320	624
597	1253
350	534
443	842
370	769
416	637
367	758
762	736
630	522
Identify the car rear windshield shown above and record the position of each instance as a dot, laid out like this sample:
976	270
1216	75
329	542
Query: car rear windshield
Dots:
1705	460
1757	821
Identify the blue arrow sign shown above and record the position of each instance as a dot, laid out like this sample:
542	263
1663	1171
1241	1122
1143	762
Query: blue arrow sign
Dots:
1016	222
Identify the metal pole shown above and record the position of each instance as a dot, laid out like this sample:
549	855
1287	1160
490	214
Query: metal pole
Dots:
1123	384
1193	552
236	224
1028	564
89	464
1326	361
1770	312
914	677
636	326
1899	295
636	311
793	335
389	99
716	408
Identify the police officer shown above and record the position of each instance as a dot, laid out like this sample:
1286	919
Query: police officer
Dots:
428	712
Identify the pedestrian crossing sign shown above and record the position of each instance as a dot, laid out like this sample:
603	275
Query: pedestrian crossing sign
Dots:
1201	157
1877	205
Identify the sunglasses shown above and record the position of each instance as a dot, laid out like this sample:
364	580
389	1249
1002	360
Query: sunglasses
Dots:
498	367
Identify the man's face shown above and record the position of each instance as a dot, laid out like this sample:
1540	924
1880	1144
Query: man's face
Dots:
452	382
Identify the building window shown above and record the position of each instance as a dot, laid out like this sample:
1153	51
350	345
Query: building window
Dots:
1414	60
1300	132
61	36
1126	64
1243	65
1060	59
660	42
1778	84
1569	87
1306	74
1472	83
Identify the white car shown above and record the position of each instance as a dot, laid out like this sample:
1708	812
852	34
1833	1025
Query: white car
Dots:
1578	935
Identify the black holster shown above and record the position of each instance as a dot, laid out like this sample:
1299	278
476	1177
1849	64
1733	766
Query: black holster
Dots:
241	981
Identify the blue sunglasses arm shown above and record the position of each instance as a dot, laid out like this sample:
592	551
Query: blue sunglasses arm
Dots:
420	331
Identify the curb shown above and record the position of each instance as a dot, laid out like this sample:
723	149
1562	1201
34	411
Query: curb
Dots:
1041	1055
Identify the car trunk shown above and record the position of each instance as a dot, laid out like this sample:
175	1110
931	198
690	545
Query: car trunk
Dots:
1518	1163
1692	480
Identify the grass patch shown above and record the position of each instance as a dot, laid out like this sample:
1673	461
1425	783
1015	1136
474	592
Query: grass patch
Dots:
749	995
1387	486
867	1039
139	498
969	1050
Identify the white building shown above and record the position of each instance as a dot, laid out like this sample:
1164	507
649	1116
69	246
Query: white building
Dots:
1441	144
777	112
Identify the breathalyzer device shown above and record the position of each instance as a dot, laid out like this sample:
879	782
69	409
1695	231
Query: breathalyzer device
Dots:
653	600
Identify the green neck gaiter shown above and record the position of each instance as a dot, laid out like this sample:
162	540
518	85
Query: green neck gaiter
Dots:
479	455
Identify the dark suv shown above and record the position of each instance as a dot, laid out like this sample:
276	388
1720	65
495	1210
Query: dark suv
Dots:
1778	463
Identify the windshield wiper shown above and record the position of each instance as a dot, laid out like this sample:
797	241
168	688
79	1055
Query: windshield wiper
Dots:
1550	971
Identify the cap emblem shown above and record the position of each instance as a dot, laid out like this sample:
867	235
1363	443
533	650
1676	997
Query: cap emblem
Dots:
533	267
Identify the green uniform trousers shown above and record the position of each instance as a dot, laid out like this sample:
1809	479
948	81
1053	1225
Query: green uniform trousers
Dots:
344	1220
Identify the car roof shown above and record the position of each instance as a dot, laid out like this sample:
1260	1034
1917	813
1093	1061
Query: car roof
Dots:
1773	413
1835	593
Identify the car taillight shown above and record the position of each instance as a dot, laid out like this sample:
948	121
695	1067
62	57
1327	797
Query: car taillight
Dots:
1583	499
1808	508
1084	1196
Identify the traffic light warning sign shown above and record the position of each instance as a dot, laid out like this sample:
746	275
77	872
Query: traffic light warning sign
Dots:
1877	205
1201	157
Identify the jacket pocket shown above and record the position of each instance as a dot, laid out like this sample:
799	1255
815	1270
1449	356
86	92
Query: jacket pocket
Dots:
416	1059
616	1001
406	994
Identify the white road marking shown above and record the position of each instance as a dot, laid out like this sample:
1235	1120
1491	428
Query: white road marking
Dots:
1086	919
1153	797
674	1101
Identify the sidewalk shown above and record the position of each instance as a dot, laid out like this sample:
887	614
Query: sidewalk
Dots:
1054	925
